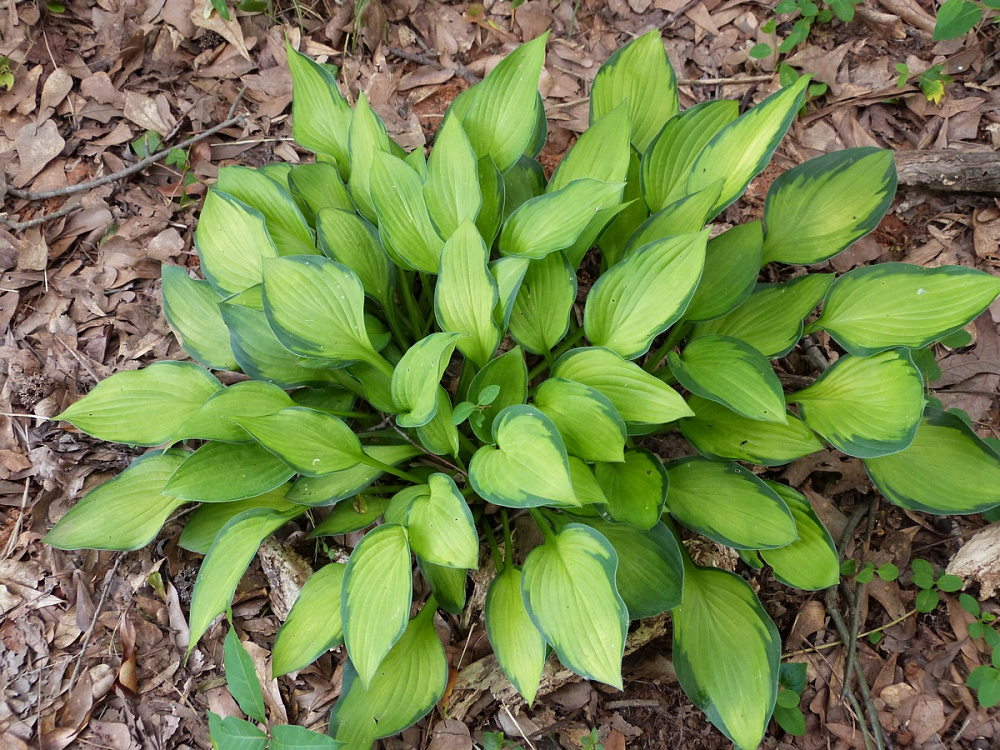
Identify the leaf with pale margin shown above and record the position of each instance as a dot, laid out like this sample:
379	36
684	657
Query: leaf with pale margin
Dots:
417	376
811	561
540	314
285	223
321	117
348	239
451	189
587	420
636	489
192	311
232	243
732	264
223	472
312	442
214	420
441	528
398	194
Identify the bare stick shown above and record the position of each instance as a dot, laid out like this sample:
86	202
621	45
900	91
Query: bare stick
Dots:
723	81
463	71
90	630
19	226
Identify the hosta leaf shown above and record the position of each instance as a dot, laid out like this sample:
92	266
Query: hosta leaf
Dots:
685	215
319	186
165	394
727	652
192	310
125	512
637	396
451	190
819	208
409	684
528	467
222	472
644	294
333	399
313	626
568	585
640	75
341	485
727	503
518	645
367	137
540	314
811	561
771	318
441	528
741	150
321	117
293	737
312	442
865	407
672	153
540	131
398	195
227	561
636	489
466	294
509	372
232	242
633	213
553	221
235	733
241	677
500	115
600	153
733	373
348	239
947	469
492	190
508	273
732	262
588	422
416	378
285	224
205	523
362	511
874	308
585	487
720	433
214	420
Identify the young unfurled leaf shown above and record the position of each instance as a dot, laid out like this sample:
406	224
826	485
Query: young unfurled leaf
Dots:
540	314
440	525
241	677
367	137
451	190
321	117
811	561
232	243
732	263
192	310
403	218
588	422
348	239
415	379
636	489
313	626
312	442
508	371
518	645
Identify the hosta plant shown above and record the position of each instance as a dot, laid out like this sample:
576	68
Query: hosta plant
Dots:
424	360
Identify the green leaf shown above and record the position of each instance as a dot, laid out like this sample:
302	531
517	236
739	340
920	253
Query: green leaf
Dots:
466	294
348	239
541	310
341	485
292	737
441	528
124	513
639	75
636	489
671	154
637	396
568	585
315	306
398	194
319	186
232	733
587	421
241	677
683	216
222	472
416	378
641	296
743	148
500	117
312	442
205	523
192	310
865	407
510	373
633	213
927	600
508	273
819	208
451	190
946	470
232	242
733	373
227	561
165	394
447	585
409	684
367	137
517	643
811	561
321	117
771	318
529	466
727	653
956	18
214	420
732	262
440	435
313	626
285	224
493	192
720	433
353	516
874	308
600	153
375	608
585	487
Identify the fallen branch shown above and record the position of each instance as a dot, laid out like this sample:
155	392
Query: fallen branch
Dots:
420	59
950	171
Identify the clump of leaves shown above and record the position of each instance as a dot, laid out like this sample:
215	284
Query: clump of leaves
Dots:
985	680
417	367
956	18
803	14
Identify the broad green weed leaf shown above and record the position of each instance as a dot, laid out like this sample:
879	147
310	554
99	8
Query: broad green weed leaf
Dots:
637	396
509	372
417	376
451	190
165	394
312	442
241	677
732	263
540	314
285	224
319	186
192	310
667	162
819	208
518	645
727	503
440	435
720	433
956	18
232	243
375	607
313	626
205	523
947	469
641	296
348	239
733	373
232	733
447	585
568	585
341	485
222	472
367	137
639	75
214	420
741	150
508	273
865	407
124	513
683	216
874	308
811	561
587	420
600	153
293	737
441	528
398	195
636	489
321	117
528	467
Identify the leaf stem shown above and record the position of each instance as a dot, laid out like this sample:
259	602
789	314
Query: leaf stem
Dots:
498	561
396	326
571	340
410	302
469	371
677	333
543	525
389	469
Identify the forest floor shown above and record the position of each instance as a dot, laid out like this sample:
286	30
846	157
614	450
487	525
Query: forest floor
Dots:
91	653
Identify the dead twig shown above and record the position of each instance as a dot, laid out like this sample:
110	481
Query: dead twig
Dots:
93	622
724	81
632	703
20	226
420	59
